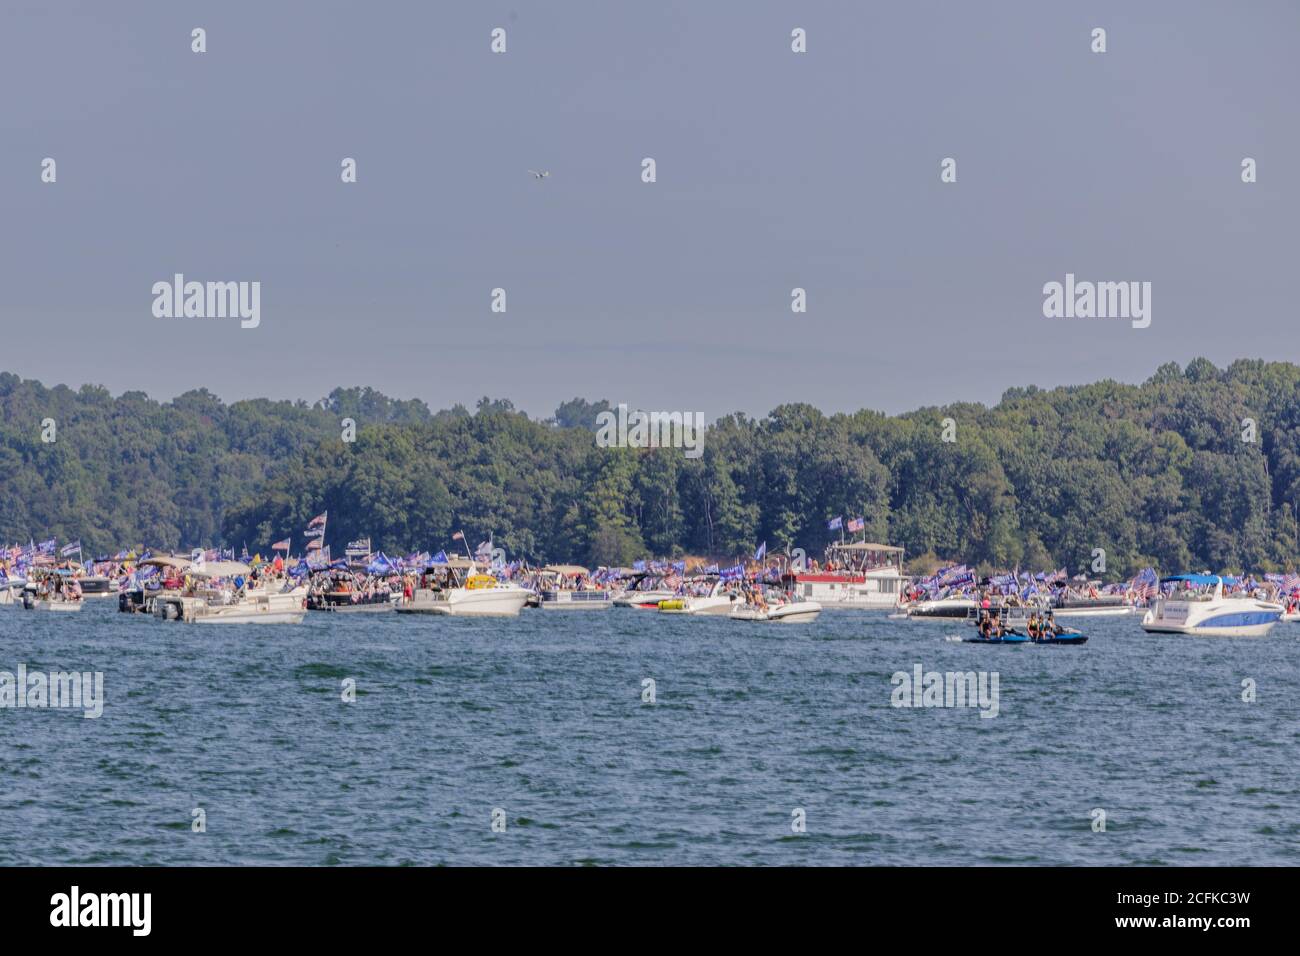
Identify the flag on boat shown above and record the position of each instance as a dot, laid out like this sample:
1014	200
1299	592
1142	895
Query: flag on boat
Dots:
484	548
1145	585
857	524
761	552
313	532
319	520
279	546
439	558
735	571
313	545
835	523
68	550
46	547
458	536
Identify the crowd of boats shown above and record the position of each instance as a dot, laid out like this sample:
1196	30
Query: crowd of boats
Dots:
211	587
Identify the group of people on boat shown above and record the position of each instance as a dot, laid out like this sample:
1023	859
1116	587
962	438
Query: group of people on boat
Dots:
1041	625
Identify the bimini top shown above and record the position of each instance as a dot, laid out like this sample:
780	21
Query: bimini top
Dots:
573	570
456	563
166	561
221	569
1200	579
865	546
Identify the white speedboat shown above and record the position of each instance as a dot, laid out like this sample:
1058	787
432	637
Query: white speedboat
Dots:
457	588
775	605
796	612
714	599
645	591
1201	608
210	601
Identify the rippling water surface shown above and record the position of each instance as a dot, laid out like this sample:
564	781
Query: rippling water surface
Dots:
543	717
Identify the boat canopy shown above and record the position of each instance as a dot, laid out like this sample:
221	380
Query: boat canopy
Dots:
570	569
457	563
221	569
1200	579
166	561
866	546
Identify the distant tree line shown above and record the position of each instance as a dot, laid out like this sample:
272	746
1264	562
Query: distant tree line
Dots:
1193	469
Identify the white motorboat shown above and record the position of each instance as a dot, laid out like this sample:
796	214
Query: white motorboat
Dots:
1201	608
796	612
51	590
774	605
210	601
560	588
645	591
857	575
457	588
712	597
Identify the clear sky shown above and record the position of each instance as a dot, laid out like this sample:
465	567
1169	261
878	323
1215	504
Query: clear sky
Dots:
775	170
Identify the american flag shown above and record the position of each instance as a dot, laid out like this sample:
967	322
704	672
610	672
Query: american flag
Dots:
282	545
318	520
458	536
856	524
1145	585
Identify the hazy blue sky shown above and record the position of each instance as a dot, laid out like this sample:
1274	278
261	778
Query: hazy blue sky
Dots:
775	170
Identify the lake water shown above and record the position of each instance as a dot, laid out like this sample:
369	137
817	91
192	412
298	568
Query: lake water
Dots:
542	717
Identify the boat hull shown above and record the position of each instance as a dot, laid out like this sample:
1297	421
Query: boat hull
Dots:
1212	619
1125	610
803	612
60	606
467	602
945	610
263	617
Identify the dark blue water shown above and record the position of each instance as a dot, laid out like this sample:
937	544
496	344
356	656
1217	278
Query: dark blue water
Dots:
542	717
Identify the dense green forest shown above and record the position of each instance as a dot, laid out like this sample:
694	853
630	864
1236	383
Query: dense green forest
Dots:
1162	473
